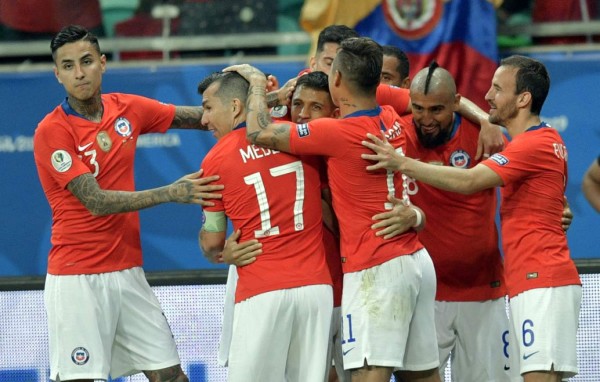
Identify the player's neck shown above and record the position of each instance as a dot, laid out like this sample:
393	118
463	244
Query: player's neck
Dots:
521	123
349	105
91	109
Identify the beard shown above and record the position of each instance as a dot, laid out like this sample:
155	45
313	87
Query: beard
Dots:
431	141
503	115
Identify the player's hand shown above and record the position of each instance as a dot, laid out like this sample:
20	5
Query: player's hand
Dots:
240	254
490	140
193	188
394	222
250	73
284	95
567	217
385	154
272	83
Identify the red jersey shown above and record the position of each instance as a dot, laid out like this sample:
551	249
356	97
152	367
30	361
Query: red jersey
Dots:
533	168
460	234
332	245
357	193
396	97
67	145
276	198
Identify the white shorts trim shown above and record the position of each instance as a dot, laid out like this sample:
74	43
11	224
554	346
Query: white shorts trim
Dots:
388	315
107	323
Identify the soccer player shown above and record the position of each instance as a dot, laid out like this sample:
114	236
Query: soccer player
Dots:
460	235
395	67
591	184
542	280
102	315
283	301
328	43
389	285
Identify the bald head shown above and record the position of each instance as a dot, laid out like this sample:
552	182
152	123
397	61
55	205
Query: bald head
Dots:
434	102
433	80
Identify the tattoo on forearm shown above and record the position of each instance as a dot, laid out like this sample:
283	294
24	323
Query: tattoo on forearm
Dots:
105	202
272	99
264	119
257	90
188	117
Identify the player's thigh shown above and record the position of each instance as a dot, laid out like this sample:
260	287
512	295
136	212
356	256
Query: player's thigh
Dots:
308	350
143	340
377	307
484	351
82	316
262	330
445	318
545	322
421	346
227	323
336	346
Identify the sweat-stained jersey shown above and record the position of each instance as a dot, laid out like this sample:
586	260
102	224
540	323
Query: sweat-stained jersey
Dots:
67	145
533	168
273	197
357	193
460	234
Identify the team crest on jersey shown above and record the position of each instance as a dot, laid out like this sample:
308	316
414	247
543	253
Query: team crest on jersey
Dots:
500	159
460	159
104	141
303	130
279	111
123	127
413	19
61	160
80	356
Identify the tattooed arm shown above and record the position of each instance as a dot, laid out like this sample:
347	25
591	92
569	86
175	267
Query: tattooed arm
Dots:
190	188
260	128
188	117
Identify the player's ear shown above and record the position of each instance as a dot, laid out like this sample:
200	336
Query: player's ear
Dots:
336	113
524	99
312	63
406	83
237	107
56	75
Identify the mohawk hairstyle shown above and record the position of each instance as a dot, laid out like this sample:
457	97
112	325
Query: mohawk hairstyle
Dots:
432	67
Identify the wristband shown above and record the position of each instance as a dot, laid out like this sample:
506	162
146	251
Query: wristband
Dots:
419	217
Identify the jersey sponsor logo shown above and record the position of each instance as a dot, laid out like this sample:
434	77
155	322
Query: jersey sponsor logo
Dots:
279	111
532	275
123	127
527	356
412	19
61	160
80	356
82	148
303	130
104	141
500	159
460	159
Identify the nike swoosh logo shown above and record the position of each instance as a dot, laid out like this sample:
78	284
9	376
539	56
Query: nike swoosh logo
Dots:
81	148
506	367
525	356
347	351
